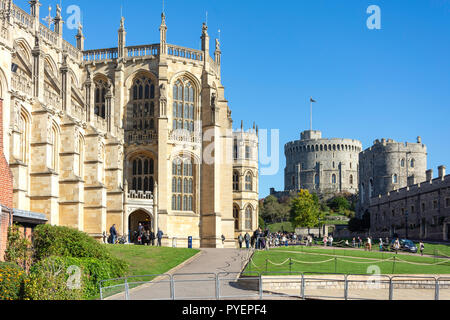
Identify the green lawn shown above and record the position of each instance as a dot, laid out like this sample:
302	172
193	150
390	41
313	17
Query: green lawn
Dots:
306	259
145	261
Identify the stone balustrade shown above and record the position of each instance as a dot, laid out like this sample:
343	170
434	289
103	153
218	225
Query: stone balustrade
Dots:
140	195
100	54
185	53
22	18
185	136
48	35
141	136
142	51
21	84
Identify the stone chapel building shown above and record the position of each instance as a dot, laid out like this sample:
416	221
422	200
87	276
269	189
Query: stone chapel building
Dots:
125	135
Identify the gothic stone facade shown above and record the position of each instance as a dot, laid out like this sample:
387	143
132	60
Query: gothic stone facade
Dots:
422	211
325	166
118	136
388	166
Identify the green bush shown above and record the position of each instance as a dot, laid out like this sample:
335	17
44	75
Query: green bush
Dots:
12	280
65	242
49	280
92	271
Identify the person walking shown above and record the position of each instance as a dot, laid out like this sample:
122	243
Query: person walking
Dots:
240	240
421	248
369	243
331	241
381	244
140	233
247	240
354	242
113	233
159	235
396	245
223	239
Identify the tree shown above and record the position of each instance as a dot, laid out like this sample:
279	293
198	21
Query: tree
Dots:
340	204
304	211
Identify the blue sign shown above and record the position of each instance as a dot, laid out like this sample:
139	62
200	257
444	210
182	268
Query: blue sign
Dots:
189	242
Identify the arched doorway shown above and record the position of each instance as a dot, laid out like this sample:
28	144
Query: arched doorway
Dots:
138	216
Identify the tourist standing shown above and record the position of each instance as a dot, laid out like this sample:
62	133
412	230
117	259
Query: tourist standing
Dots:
240	240
247	240
152	238
113	233
331	241
354	242
369	243
223	239
421	247
381	244
325	240
159	235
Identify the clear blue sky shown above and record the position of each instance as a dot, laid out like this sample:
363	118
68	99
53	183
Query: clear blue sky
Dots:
370	84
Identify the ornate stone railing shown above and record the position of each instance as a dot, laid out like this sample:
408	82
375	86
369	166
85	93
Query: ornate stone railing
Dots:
21	84
100	54
140	195
71	50
185	53
142	51
48	35
52	98
100	123
185	136
141	136
22	18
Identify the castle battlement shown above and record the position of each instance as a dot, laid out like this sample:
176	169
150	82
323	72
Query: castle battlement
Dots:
412	191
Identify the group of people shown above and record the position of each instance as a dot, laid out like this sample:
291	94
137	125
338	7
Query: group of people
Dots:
140	236
263	240
328	241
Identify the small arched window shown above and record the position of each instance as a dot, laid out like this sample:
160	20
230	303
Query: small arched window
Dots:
235	181
351	179
248	217
333	179
100	98
395	178
402	163
236	217
249	182
413	163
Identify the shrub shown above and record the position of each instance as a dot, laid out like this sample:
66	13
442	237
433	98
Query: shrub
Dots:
63	277
12	280
48	280
65	242
18	249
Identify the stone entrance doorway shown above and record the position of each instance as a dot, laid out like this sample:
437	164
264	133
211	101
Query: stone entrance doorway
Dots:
142	217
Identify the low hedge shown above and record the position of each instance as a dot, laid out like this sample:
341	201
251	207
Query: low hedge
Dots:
68	285
12	279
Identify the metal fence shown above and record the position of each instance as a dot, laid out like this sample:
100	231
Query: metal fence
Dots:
270	286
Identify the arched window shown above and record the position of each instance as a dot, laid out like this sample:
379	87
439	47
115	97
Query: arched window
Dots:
362	192
24	129
143	172
248	217
316	180
182	185
370	188
351	179
183	106
100	98
249	182
236	217
402	163
413	163
142	110
395	178
235	181
333	179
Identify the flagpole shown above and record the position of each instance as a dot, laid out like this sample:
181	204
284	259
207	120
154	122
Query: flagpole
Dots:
311	114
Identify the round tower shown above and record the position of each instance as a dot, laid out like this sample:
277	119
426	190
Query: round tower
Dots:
322	165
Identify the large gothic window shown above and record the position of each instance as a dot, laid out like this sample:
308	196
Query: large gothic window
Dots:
143	174
24	138
183	106
143	104
100	98
182	185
